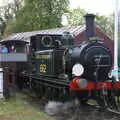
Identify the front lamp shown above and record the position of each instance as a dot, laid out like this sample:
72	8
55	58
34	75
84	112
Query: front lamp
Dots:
77	69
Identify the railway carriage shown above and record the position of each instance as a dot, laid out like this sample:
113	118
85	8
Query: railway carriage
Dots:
13	61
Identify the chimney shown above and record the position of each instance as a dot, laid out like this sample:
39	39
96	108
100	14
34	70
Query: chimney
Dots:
90	27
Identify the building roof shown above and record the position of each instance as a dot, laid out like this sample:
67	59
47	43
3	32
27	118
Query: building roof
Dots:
25	36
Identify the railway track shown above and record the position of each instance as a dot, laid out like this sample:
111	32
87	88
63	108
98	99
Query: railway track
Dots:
113	111
107	109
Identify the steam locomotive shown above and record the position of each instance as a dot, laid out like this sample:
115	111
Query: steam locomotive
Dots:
65	71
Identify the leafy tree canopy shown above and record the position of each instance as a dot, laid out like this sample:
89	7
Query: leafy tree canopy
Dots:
76	17
7	14
29	15
106	24
40	14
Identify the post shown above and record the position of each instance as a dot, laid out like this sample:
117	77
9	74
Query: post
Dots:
116	39
1	83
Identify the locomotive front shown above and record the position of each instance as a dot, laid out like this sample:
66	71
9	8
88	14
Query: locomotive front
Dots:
91	61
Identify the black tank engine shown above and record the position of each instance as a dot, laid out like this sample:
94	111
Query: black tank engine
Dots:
93	59
61	69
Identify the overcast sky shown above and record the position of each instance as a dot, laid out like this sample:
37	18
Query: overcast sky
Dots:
103	7
4	2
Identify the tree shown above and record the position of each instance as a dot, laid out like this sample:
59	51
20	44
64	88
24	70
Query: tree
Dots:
75	17
5	15
40	14
9	27
106	24
8	13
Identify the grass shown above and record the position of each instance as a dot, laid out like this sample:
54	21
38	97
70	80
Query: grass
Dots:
16	108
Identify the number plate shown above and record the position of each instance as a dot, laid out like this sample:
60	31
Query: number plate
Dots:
43	68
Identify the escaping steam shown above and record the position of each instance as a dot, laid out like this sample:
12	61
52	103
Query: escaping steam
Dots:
58	108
